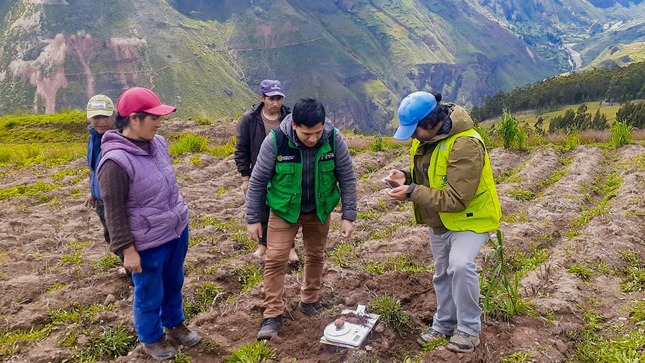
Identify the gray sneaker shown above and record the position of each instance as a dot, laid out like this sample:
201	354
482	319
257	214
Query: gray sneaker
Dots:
463	343
429	336
270	328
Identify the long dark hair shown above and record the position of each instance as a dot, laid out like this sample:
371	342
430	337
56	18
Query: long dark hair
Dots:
123	121
440	113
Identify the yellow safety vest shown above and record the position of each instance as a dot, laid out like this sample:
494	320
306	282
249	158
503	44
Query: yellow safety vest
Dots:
484	211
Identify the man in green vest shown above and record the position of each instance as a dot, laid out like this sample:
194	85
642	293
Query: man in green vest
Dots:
451	184
303	170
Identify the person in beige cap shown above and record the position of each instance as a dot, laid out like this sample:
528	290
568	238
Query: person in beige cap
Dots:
100	115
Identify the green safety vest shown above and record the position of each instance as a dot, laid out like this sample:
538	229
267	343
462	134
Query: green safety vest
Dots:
484	211
284	192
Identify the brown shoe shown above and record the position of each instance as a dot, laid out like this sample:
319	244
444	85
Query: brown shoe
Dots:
160	350
186	337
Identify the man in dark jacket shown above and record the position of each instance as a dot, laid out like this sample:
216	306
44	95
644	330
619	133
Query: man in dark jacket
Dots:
303	170
251	131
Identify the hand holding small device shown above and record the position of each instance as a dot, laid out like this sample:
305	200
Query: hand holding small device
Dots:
391	183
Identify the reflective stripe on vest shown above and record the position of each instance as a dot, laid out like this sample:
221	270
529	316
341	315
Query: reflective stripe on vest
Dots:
484	211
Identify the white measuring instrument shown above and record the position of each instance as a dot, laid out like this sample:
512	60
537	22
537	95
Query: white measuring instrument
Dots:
350	335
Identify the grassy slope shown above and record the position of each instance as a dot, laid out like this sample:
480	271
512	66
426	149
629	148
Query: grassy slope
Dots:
359	57
620	55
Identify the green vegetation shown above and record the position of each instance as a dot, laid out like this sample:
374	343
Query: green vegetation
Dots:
57	286
634	272
182	357
522	194
500	284
73	258
618	84
188	143
606	191
518	357
580	120
524	262
509	129
40	188
390	311
253	352
249	276
110	343
223	150
620	134
398	263
594	346
632	114
519	217
637	312
9	340
582	272
380	233
381	143
434	344
77	313
107	262
203	298
555	177
342	255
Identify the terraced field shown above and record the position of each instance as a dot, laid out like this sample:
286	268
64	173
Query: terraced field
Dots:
573	248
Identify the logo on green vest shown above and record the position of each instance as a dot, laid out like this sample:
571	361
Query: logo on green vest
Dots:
285	157
328	156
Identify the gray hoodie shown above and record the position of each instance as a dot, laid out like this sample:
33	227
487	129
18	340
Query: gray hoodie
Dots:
265	167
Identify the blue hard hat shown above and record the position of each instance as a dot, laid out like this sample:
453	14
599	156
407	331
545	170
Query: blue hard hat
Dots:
414	108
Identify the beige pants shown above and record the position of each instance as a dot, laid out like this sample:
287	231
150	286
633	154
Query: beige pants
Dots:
279	238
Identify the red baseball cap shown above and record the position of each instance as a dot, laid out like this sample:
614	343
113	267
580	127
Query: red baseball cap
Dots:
139	99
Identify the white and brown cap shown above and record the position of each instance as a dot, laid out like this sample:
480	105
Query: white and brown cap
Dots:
100	105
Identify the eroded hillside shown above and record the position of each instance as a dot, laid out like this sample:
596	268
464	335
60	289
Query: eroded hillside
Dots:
358	56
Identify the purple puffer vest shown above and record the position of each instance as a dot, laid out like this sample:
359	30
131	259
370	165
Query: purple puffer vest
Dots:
157	212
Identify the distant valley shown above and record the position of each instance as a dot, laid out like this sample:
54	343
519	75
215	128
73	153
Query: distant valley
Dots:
360	57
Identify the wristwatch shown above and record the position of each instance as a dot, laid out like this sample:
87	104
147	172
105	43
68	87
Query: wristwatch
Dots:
410	190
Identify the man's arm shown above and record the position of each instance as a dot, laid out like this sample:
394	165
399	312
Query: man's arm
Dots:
346	179
262	172
243	146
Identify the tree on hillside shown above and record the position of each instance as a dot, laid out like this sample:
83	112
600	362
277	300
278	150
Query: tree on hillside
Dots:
582	121
618	84
539	126
632	115
599	122
579	120
562	123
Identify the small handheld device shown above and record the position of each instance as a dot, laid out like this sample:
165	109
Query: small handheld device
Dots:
391	183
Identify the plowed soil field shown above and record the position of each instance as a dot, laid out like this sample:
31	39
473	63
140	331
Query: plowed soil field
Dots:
574	230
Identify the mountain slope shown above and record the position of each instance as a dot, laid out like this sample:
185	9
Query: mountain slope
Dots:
207	57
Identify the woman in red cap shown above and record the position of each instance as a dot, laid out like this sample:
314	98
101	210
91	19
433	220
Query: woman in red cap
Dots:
147	219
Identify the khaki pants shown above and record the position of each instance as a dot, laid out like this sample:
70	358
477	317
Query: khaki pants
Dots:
279	238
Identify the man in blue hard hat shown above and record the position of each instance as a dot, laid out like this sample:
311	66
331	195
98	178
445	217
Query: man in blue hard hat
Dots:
450	182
